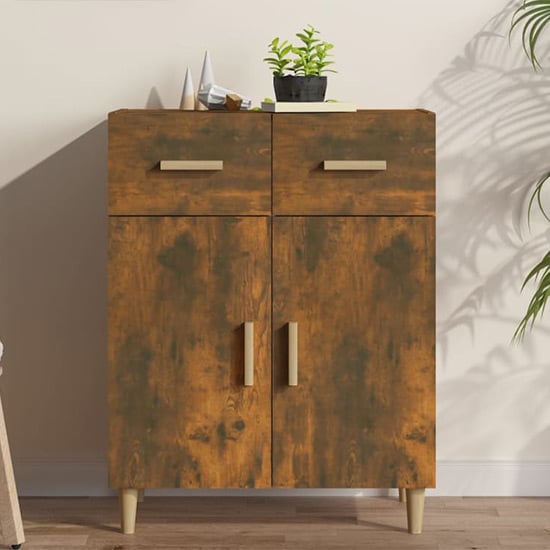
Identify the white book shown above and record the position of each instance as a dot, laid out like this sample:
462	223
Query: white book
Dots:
308	107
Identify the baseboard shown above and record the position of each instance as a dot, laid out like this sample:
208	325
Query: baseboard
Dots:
493	478
72	477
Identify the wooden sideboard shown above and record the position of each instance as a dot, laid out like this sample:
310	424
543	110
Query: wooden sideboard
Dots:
271	301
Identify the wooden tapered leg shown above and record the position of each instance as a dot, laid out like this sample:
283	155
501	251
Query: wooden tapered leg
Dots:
402	495
128	508
141	495
415	510
10	513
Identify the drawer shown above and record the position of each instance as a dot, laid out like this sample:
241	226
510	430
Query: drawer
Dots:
400	181
147	175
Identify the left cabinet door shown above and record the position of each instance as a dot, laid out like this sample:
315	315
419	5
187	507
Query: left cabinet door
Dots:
180	291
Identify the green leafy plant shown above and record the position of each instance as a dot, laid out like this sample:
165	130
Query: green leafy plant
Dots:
278	61
540	273
534	16
310	58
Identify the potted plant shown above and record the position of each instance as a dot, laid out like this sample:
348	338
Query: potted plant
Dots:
298	70
533	16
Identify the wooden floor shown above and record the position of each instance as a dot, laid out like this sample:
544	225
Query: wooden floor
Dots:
285	523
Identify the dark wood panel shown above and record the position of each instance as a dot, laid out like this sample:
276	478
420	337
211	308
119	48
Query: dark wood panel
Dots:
139	140
179	291
362	292
405	139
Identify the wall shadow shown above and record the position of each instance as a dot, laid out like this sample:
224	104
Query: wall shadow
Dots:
53	248
493	114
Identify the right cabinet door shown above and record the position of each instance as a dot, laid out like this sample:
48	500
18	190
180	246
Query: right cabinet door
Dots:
361	290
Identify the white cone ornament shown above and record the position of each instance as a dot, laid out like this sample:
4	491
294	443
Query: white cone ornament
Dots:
206	81
188	95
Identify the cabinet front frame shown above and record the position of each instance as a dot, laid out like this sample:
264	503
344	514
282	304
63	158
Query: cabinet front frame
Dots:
415	450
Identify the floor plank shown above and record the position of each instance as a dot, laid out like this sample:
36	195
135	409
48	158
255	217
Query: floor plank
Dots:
287	523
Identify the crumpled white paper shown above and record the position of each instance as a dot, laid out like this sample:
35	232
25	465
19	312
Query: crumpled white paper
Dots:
213	97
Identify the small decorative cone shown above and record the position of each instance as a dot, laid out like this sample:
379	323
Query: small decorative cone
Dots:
188	95
207	78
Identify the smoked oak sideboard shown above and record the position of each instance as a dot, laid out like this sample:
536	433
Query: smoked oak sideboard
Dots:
271	302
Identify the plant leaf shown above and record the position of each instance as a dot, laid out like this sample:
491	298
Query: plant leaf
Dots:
533	15
540	297
537	196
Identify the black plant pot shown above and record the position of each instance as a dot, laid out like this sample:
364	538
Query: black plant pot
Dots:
300	88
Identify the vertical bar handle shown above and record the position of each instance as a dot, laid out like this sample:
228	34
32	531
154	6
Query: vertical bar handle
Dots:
249	353
292	353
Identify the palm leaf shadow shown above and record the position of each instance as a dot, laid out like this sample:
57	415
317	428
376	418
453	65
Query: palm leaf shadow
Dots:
493	120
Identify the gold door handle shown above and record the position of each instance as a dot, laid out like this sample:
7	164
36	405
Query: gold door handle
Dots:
292	353
249	353
191	165
355	165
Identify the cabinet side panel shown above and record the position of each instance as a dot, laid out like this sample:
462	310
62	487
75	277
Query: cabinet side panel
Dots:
362	293
180	290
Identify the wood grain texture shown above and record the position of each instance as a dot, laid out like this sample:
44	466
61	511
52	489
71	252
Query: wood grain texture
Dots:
139	140
362	292
180	290
287	523
302	142
10	513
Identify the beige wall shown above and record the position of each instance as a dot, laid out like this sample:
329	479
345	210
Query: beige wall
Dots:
65	64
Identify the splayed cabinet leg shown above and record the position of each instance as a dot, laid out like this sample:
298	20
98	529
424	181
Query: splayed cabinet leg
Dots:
10	514
128	508
402	495
415	510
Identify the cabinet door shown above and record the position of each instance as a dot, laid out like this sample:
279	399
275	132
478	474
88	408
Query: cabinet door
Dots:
180	290
362	293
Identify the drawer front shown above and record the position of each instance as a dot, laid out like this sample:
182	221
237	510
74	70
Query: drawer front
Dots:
229	170
367	163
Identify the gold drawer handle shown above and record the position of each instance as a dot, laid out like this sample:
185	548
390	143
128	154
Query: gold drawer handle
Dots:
355	165
292	353
249	354
191	164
